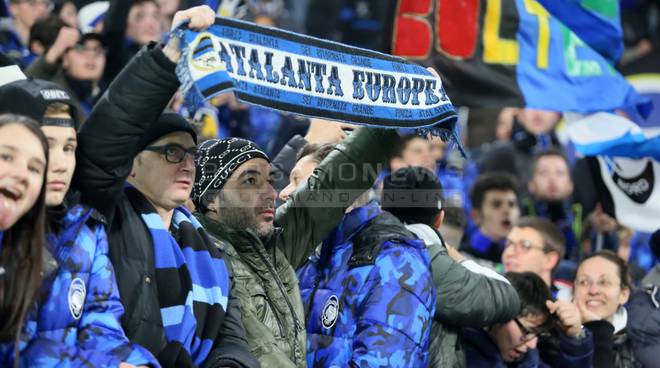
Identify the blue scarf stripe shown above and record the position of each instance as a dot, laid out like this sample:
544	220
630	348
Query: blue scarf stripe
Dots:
210	296
172	315
208	283
207	276
154	221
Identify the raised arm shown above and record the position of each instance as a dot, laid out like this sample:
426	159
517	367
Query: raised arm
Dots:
319	205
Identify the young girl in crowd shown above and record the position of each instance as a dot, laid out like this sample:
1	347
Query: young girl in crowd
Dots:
601	288
23	163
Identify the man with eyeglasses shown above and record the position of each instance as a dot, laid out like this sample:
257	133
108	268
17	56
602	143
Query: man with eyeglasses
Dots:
76	62
536	245
15	31
514	343
136	166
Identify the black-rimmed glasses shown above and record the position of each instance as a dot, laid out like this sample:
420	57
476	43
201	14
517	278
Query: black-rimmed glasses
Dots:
527	333
175	153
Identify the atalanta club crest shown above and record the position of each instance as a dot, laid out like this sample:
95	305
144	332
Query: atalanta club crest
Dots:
330	312
77	294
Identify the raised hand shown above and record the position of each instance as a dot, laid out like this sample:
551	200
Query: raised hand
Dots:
569	316
66	38
198	18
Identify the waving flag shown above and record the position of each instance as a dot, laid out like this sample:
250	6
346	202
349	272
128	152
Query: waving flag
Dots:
510	53
596	22
625	164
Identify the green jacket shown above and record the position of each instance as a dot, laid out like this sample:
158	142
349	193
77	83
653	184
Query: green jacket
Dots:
266	283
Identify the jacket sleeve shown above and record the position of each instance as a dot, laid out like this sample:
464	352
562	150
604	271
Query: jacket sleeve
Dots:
284	162
318	206
470	299
394	318
110	138
42	70
114	33
603	340
231	348
576	353
101	340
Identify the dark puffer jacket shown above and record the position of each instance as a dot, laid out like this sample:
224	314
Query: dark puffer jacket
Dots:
108	142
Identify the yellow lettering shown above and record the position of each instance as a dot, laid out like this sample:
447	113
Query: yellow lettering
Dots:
543	43
497	50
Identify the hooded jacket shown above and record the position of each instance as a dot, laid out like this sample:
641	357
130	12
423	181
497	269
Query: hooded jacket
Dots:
77	322
467	295
265	279
108	142
369	295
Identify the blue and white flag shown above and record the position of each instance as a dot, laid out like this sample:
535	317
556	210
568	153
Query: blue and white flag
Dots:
625	165
596	22
313	77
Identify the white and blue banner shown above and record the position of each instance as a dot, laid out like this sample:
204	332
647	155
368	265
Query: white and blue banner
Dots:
313	77
625	165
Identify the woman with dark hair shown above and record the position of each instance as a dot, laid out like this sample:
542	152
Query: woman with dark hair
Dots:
601	288
23	162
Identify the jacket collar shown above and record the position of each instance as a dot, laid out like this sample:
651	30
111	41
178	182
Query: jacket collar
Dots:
482	243
620	320
354	221
426	233
239	239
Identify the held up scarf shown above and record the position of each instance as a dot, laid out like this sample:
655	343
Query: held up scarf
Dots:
193	286
310	76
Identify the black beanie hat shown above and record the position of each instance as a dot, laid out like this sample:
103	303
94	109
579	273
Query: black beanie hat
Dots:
413	194
167	123
31	97
218	159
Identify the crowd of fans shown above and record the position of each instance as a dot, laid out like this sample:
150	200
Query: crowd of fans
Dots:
137	233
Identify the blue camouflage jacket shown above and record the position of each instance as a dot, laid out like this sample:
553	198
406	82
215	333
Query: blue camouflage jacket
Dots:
76	322
369	296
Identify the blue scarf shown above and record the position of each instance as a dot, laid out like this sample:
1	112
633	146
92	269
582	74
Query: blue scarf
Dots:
310	76
193	285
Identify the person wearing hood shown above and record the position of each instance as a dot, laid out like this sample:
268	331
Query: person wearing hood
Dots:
78	313
602	287
467	294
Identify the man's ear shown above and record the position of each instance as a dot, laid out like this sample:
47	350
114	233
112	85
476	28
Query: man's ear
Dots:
531	187
439	218
551	260
475	215
137	162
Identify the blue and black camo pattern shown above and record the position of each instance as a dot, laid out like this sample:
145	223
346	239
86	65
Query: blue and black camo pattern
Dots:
53	337
384	309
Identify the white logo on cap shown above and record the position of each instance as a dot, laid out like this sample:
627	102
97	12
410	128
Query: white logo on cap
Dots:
54	94
76	297
330	312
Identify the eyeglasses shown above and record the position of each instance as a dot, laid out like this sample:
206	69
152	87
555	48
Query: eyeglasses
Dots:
523	245
586	282
528	334
175	153
95	51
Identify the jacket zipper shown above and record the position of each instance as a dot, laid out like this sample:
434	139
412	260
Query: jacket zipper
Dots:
272	271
